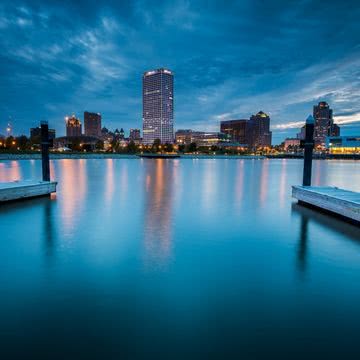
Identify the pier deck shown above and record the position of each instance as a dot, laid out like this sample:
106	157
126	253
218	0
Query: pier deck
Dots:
17	190
343	203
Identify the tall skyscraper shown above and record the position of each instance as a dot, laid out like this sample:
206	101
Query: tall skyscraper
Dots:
259	130
158	106
235	129
324	123
73	126
92	123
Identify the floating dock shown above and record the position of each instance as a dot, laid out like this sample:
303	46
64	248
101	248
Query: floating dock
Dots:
18	190
343	203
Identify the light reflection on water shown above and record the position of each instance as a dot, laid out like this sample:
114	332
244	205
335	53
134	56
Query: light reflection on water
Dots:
177	259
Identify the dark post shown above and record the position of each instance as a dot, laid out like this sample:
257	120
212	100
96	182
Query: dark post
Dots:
45	150
308	150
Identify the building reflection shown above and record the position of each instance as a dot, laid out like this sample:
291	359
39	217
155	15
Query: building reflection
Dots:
159	181
264	182
73	190
283	187
10	173
109	182
239	184
320	176
209	185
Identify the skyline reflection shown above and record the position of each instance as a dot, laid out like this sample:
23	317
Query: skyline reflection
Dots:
73	191
158	184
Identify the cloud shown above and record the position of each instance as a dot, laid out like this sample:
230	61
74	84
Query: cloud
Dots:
290	125
229	61
347	119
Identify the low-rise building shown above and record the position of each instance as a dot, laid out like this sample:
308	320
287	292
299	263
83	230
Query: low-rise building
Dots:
343	144
35	134
200	138
291	144
183	137
82	142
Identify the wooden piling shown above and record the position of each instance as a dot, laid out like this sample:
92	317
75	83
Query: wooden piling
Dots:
45	144
308	150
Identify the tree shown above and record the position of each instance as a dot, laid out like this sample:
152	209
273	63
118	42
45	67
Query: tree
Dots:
181	147
156	145
10	142
76	144
22	142
99	145
132	148
192	147
169	147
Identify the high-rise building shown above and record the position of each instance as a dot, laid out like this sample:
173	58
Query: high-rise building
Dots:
92	124
158	106
324	123
259	130
134	134
235	129
335	130
73	126
301	135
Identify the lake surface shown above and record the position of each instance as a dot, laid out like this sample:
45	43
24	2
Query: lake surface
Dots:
178	259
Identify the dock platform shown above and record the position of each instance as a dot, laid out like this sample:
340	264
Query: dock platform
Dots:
343	203
17	190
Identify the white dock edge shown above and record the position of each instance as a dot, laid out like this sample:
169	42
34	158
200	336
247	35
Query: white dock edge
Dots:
25	189
338	201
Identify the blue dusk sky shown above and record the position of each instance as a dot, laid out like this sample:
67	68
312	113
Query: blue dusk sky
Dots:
230	59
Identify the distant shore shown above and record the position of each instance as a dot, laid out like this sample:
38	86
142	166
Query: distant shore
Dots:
60	156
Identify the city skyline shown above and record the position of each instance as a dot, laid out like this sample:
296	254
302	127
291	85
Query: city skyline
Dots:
66	58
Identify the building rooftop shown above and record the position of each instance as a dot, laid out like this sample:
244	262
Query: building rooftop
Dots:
156	71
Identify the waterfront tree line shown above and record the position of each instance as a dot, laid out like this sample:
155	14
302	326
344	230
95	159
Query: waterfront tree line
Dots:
26	144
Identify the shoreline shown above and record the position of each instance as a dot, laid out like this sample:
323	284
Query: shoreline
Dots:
77	156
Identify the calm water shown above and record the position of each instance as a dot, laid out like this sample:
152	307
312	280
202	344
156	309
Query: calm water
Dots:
177	259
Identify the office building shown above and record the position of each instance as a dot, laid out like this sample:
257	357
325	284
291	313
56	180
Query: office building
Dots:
237	130
200	138
301	135
158	106
324	123
92	124
73	126
259	134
